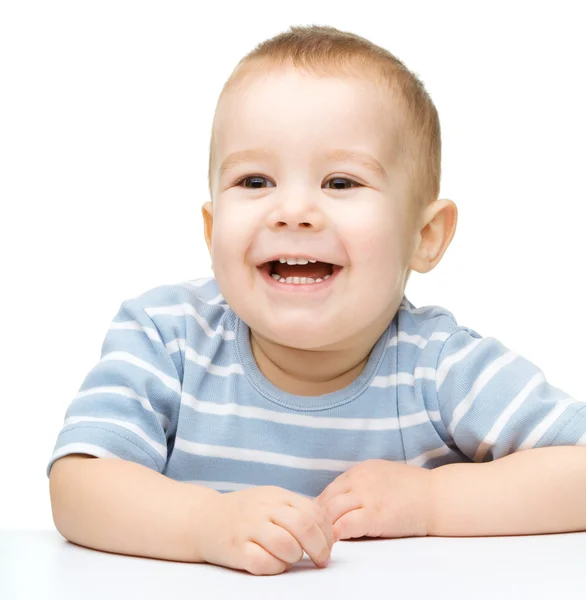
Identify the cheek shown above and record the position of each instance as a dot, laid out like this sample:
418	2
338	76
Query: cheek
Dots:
378	243
227	243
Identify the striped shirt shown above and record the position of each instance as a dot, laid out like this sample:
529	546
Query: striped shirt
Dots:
177	389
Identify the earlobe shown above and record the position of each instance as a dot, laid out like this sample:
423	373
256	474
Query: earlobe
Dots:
439	226
207	213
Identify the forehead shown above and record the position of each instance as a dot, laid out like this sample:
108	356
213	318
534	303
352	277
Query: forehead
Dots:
290	108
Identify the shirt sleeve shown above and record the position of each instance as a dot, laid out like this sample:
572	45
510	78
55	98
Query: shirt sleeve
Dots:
128	404
494	402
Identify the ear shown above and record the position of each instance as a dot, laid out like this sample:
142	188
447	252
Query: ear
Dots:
436	230
208	217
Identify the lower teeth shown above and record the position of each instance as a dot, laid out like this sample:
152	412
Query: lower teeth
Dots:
298	280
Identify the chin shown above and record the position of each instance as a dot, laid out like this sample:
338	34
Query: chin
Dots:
305	337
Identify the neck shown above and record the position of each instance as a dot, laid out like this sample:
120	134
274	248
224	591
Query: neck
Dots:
316	372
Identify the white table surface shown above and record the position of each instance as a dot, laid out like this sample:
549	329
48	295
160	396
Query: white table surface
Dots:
39	565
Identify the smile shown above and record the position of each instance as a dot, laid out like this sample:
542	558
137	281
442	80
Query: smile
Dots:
295	285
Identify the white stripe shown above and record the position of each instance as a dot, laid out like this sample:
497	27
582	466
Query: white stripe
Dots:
180	310
128	393
261	456
200	359
172	346
419	461
135	325
200	282
219	299
160	448
581	441
170	382
493	368
251	412
197	283
381	381
179	344
82	448
175	345
417	311
403	378
451	360
206	361
418	340
536	434
492	436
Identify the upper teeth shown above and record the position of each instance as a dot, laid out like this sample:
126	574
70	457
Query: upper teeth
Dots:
296	261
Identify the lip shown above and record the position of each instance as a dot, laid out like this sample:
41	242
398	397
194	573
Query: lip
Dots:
275	258
304	289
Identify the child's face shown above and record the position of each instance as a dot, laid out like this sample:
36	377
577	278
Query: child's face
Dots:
299	203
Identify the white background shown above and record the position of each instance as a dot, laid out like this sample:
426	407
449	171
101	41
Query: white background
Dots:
105	116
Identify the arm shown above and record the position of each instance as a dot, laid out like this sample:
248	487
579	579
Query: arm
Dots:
123	507
128	406
536	491
525	437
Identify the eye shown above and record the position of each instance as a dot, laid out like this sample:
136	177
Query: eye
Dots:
257	185
258	179
350	181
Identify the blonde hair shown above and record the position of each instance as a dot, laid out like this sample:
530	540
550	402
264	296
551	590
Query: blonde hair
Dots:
325	51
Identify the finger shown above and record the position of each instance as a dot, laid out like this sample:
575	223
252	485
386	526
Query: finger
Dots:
306	530
338	486
340	505
327	526
279	542
321	516
352	525
259	561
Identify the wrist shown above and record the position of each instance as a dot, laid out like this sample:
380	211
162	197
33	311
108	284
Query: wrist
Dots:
203	509
434	481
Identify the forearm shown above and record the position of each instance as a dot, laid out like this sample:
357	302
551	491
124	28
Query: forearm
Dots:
542	490
123	507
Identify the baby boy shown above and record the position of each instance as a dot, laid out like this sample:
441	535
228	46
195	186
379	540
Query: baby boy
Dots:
297	397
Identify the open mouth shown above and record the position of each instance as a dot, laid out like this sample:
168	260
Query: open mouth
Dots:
297	273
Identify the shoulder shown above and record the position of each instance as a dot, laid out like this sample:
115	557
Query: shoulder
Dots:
430	323
174	307
178	298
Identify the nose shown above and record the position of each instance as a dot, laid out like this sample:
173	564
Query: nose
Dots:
297	214
292	225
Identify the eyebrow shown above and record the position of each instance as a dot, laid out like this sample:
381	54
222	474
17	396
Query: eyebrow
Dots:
366	160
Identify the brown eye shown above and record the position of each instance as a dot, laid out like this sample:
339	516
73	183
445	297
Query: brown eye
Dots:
256	181
342	179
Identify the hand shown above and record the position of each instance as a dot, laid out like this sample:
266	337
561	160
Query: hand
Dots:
379	498
263	530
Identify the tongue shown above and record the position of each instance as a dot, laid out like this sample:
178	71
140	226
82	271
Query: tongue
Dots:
316	270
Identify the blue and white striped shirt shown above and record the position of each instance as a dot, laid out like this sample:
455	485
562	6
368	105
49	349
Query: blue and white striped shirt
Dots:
177	389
